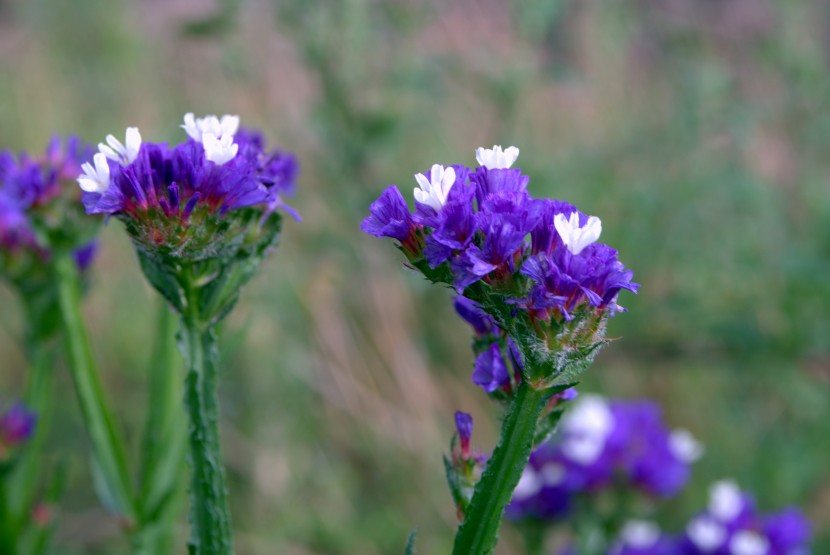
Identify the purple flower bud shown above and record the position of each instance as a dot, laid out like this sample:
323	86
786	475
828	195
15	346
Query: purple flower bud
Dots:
173	198
464	425
191	204
390	217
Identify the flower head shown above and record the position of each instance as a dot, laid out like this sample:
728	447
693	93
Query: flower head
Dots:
533	264
178	199
40	209
732	525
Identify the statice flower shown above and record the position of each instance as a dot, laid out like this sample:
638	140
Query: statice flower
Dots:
40	210
535	266
732	525
215	198
603	445
16	426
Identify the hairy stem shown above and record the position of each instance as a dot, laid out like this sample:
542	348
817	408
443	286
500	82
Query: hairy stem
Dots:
478	533
209	511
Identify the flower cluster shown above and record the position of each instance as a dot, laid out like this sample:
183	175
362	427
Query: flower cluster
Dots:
16	426
532	264
174	199
732	525
477	221
38	211
604	444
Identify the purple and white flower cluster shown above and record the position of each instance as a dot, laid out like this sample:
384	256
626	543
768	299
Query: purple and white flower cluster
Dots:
481	224
603	444
37	208
175	197
732	525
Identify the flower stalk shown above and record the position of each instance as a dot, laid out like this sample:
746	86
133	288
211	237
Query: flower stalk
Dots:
479	532
209	509
108	451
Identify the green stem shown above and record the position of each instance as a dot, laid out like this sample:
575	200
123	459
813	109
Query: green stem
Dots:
108	450
479	532
209	510
8	535
27	472
164	443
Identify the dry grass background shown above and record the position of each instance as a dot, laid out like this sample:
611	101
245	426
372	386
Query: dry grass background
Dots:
698	131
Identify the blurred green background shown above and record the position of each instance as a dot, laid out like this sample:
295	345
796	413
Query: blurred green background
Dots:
699	131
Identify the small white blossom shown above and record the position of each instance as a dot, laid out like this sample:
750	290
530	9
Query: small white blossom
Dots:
706	534
95	180
684	446
746	542
529	484
219	150
434	191
586	427
640	534
725	500
119	153
495	159
577	238
197	128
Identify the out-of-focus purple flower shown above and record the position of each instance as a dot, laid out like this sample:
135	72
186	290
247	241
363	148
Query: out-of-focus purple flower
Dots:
37	202
732	525
603	444
16	426
490	371
85	255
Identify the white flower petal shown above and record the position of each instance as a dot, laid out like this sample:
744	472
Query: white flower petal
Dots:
496	159
706	534
640	534
684	446
746	542
219	151
577	238
725	500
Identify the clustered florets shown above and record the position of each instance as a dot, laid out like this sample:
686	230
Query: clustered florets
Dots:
617	447
38	211
162	191
600	445
482	225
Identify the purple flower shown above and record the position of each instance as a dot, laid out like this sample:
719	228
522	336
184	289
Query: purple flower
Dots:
490	371
732	525
37	202
85	255
166	193
390	217
16	426
602	444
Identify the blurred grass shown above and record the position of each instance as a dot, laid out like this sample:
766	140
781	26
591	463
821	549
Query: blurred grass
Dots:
698	131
